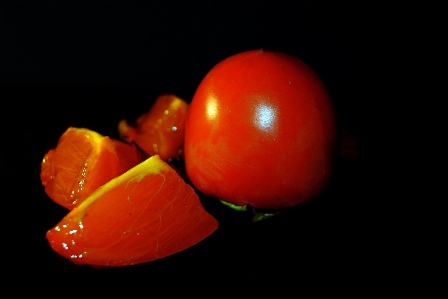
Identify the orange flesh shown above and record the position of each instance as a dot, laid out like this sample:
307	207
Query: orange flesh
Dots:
160	131
147	213
83	161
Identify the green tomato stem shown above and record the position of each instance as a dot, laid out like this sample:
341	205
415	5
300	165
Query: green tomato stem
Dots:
233	206
261	216
256	215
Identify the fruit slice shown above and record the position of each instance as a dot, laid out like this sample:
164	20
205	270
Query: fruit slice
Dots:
161	130
83	161
147	213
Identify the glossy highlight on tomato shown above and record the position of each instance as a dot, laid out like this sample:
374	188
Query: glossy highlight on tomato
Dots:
262	131
145	214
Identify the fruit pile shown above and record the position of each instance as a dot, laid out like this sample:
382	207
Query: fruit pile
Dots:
260	131
126	208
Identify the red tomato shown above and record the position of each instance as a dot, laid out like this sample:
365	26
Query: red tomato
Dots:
261	130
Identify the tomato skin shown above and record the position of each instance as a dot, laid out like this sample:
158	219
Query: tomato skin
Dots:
261	130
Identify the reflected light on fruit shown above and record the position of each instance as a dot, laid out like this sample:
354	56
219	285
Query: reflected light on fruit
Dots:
265	117
212	108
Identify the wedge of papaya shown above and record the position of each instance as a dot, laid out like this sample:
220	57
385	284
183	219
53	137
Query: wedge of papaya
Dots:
161	130
82	161
145	214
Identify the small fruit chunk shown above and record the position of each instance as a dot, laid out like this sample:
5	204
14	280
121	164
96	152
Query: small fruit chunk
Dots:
83	161
161	130
145	214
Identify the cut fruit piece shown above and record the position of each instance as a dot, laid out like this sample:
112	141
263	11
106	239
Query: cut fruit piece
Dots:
161	130
83	161
145	214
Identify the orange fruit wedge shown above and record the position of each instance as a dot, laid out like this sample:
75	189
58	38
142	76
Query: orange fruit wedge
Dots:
82	161
147	213
161	130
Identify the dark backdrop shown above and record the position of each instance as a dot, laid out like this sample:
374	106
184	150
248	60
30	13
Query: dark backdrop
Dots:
92	63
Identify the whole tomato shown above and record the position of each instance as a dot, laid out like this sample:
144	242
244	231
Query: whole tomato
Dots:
261	131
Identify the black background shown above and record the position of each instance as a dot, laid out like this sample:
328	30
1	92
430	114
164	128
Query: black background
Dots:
91	63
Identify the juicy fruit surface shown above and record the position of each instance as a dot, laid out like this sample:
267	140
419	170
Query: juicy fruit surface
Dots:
161	130
261	130
82	161
147	213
